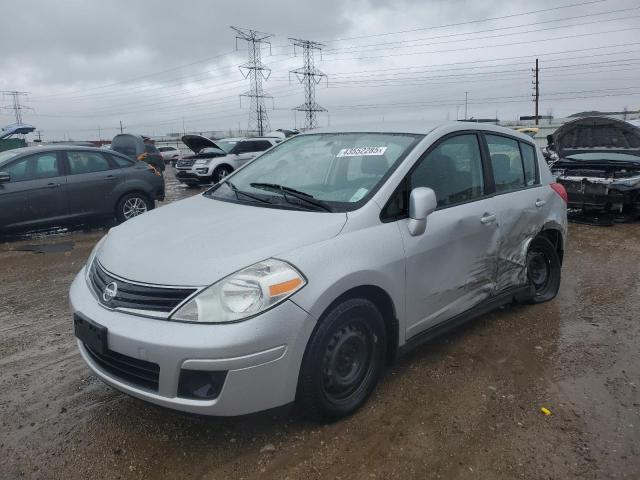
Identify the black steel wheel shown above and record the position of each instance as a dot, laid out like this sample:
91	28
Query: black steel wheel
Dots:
343	361
543	270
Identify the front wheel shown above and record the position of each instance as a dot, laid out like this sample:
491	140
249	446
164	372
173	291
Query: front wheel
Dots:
132	205
543	270
220	173
343	361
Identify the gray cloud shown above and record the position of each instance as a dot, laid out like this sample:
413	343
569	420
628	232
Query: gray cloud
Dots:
69	55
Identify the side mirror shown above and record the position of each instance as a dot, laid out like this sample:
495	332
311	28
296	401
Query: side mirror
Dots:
4	177
422	203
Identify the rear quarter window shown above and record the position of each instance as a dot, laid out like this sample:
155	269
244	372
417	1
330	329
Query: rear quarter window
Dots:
529	162
122	162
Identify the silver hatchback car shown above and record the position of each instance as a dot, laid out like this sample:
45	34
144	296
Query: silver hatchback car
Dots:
301	274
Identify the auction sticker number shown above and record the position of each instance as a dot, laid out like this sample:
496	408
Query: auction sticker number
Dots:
361	151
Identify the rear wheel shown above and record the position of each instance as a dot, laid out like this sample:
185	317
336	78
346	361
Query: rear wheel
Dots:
343	361
132	205
220	173
543	270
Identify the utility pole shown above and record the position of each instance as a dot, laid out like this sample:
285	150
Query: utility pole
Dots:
309	76
121	127
17	107
256	72
466	100
536	89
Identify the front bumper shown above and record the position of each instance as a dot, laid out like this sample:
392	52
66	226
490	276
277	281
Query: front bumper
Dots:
262	355
189	177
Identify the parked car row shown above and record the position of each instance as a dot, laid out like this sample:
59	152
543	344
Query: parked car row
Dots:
300	275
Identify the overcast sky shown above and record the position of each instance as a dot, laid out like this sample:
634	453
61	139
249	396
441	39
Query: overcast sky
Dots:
165	66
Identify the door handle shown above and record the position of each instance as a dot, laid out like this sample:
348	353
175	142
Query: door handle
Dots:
53	185
540	203
488	218
111	177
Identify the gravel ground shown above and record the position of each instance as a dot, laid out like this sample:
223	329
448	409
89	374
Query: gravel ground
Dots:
466	405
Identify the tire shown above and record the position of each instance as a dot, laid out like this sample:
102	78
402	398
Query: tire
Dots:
543	270
220	172
131	205
343	360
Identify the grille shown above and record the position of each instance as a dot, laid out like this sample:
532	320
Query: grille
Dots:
185	163
158	300
138	372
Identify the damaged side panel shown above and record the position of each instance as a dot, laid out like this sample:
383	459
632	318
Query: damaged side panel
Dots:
452	266
521	217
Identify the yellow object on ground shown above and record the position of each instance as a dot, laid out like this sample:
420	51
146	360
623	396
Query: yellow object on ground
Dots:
545	411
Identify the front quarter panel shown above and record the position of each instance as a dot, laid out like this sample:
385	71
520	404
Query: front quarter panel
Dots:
371	256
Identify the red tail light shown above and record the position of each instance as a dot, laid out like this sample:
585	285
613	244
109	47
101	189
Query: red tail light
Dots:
560	190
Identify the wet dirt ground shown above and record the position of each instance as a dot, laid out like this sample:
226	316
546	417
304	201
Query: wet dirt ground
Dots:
463	406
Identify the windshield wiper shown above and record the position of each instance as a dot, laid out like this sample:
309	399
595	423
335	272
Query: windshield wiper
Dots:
240	192
305	197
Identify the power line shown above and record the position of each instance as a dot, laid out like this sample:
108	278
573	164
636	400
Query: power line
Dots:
255	71
394	44
309	76
469	22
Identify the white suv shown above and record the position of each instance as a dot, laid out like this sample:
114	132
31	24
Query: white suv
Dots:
215	160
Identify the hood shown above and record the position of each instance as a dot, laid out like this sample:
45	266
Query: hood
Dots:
198	142
200	240
597	135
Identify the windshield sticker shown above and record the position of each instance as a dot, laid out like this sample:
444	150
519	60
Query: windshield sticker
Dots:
360	151
361	192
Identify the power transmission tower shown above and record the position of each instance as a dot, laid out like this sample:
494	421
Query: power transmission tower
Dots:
466	101
256	72
17	107
309	76
536	89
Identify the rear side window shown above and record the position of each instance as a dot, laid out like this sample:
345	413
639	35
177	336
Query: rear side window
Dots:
508	173
260	145
529	161
453	170
121	162
87	162
166	149
43	165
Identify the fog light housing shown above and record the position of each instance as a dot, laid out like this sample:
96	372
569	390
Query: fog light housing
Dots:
200	384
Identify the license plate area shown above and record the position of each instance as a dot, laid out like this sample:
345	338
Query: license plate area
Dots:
91	334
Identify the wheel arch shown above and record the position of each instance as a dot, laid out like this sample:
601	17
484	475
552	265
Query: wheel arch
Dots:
383	301
554	234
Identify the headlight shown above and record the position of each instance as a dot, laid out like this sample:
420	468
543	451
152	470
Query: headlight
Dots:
87	267
203	162
243	294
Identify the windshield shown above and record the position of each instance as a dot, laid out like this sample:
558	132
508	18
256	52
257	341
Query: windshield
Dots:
336	169
6	155
604	156
226	145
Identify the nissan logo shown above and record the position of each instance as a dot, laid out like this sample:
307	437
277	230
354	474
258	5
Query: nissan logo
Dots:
110	291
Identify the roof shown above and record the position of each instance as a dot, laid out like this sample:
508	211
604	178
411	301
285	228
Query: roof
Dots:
418	127
41	148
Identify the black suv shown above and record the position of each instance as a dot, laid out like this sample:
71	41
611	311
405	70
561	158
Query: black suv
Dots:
54	185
